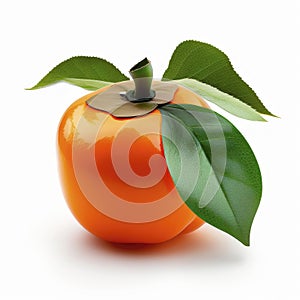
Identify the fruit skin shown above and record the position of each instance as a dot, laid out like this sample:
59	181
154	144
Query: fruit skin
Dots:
150	210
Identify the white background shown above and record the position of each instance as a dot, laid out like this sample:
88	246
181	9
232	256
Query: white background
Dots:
44	252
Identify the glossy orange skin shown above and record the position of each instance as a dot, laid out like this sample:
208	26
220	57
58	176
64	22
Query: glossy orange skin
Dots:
153	211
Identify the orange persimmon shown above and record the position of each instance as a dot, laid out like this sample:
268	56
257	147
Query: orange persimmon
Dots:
114	174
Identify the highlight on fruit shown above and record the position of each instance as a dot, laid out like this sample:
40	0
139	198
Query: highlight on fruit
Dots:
143	160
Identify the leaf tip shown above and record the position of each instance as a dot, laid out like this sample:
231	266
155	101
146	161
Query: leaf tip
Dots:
243	238
246	242
31	89
275	116
263	119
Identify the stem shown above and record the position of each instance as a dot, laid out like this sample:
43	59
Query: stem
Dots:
142	75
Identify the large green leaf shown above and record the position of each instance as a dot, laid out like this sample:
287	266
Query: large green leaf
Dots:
213	167
223	100
205	63
87	72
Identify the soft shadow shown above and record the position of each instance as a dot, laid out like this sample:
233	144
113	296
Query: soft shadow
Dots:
200	246
181	244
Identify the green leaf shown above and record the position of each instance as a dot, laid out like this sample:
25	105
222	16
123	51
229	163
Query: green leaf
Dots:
213	167
205	63
223	100
83	71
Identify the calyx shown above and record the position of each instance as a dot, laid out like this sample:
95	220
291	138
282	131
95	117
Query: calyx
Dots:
135	97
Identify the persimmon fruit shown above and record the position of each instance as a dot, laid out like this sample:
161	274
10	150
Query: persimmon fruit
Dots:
114	174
